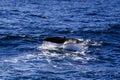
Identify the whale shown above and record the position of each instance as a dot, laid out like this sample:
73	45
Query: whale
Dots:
62	40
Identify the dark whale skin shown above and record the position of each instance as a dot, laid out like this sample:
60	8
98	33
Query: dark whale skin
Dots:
61	40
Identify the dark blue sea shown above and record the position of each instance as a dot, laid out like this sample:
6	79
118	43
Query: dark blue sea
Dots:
25	23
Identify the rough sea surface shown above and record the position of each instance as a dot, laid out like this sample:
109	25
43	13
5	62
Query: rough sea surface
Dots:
25	23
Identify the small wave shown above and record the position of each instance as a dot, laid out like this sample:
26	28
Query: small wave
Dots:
111	29
10	37
39	16
92	14
114	28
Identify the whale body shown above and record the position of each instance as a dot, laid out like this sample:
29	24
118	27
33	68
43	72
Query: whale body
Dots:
62	40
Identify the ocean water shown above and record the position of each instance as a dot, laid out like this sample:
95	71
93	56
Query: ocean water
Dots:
25	23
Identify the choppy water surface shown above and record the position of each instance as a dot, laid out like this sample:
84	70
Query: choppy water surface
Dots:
25	23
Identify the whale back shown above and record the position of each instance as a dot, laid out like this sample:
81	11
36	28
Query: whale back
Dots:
55	39
62	40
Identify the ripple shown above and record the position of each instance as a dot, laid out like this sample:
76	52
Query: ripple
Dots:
39	16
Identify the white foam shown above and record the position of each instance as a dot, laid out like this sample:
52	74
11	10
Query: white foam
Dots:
22	58
71	47
74	47
77	52
49	45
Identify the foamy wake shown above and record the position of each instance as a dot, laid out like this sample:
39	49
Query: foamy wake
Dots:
75	52
72	47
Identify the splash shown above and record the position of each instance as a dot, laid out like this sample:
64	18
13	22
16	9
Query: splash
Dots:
72	52
49	45
54	46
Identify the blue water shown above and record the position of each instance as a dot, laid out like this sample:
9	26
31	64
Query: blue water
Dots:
25	23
